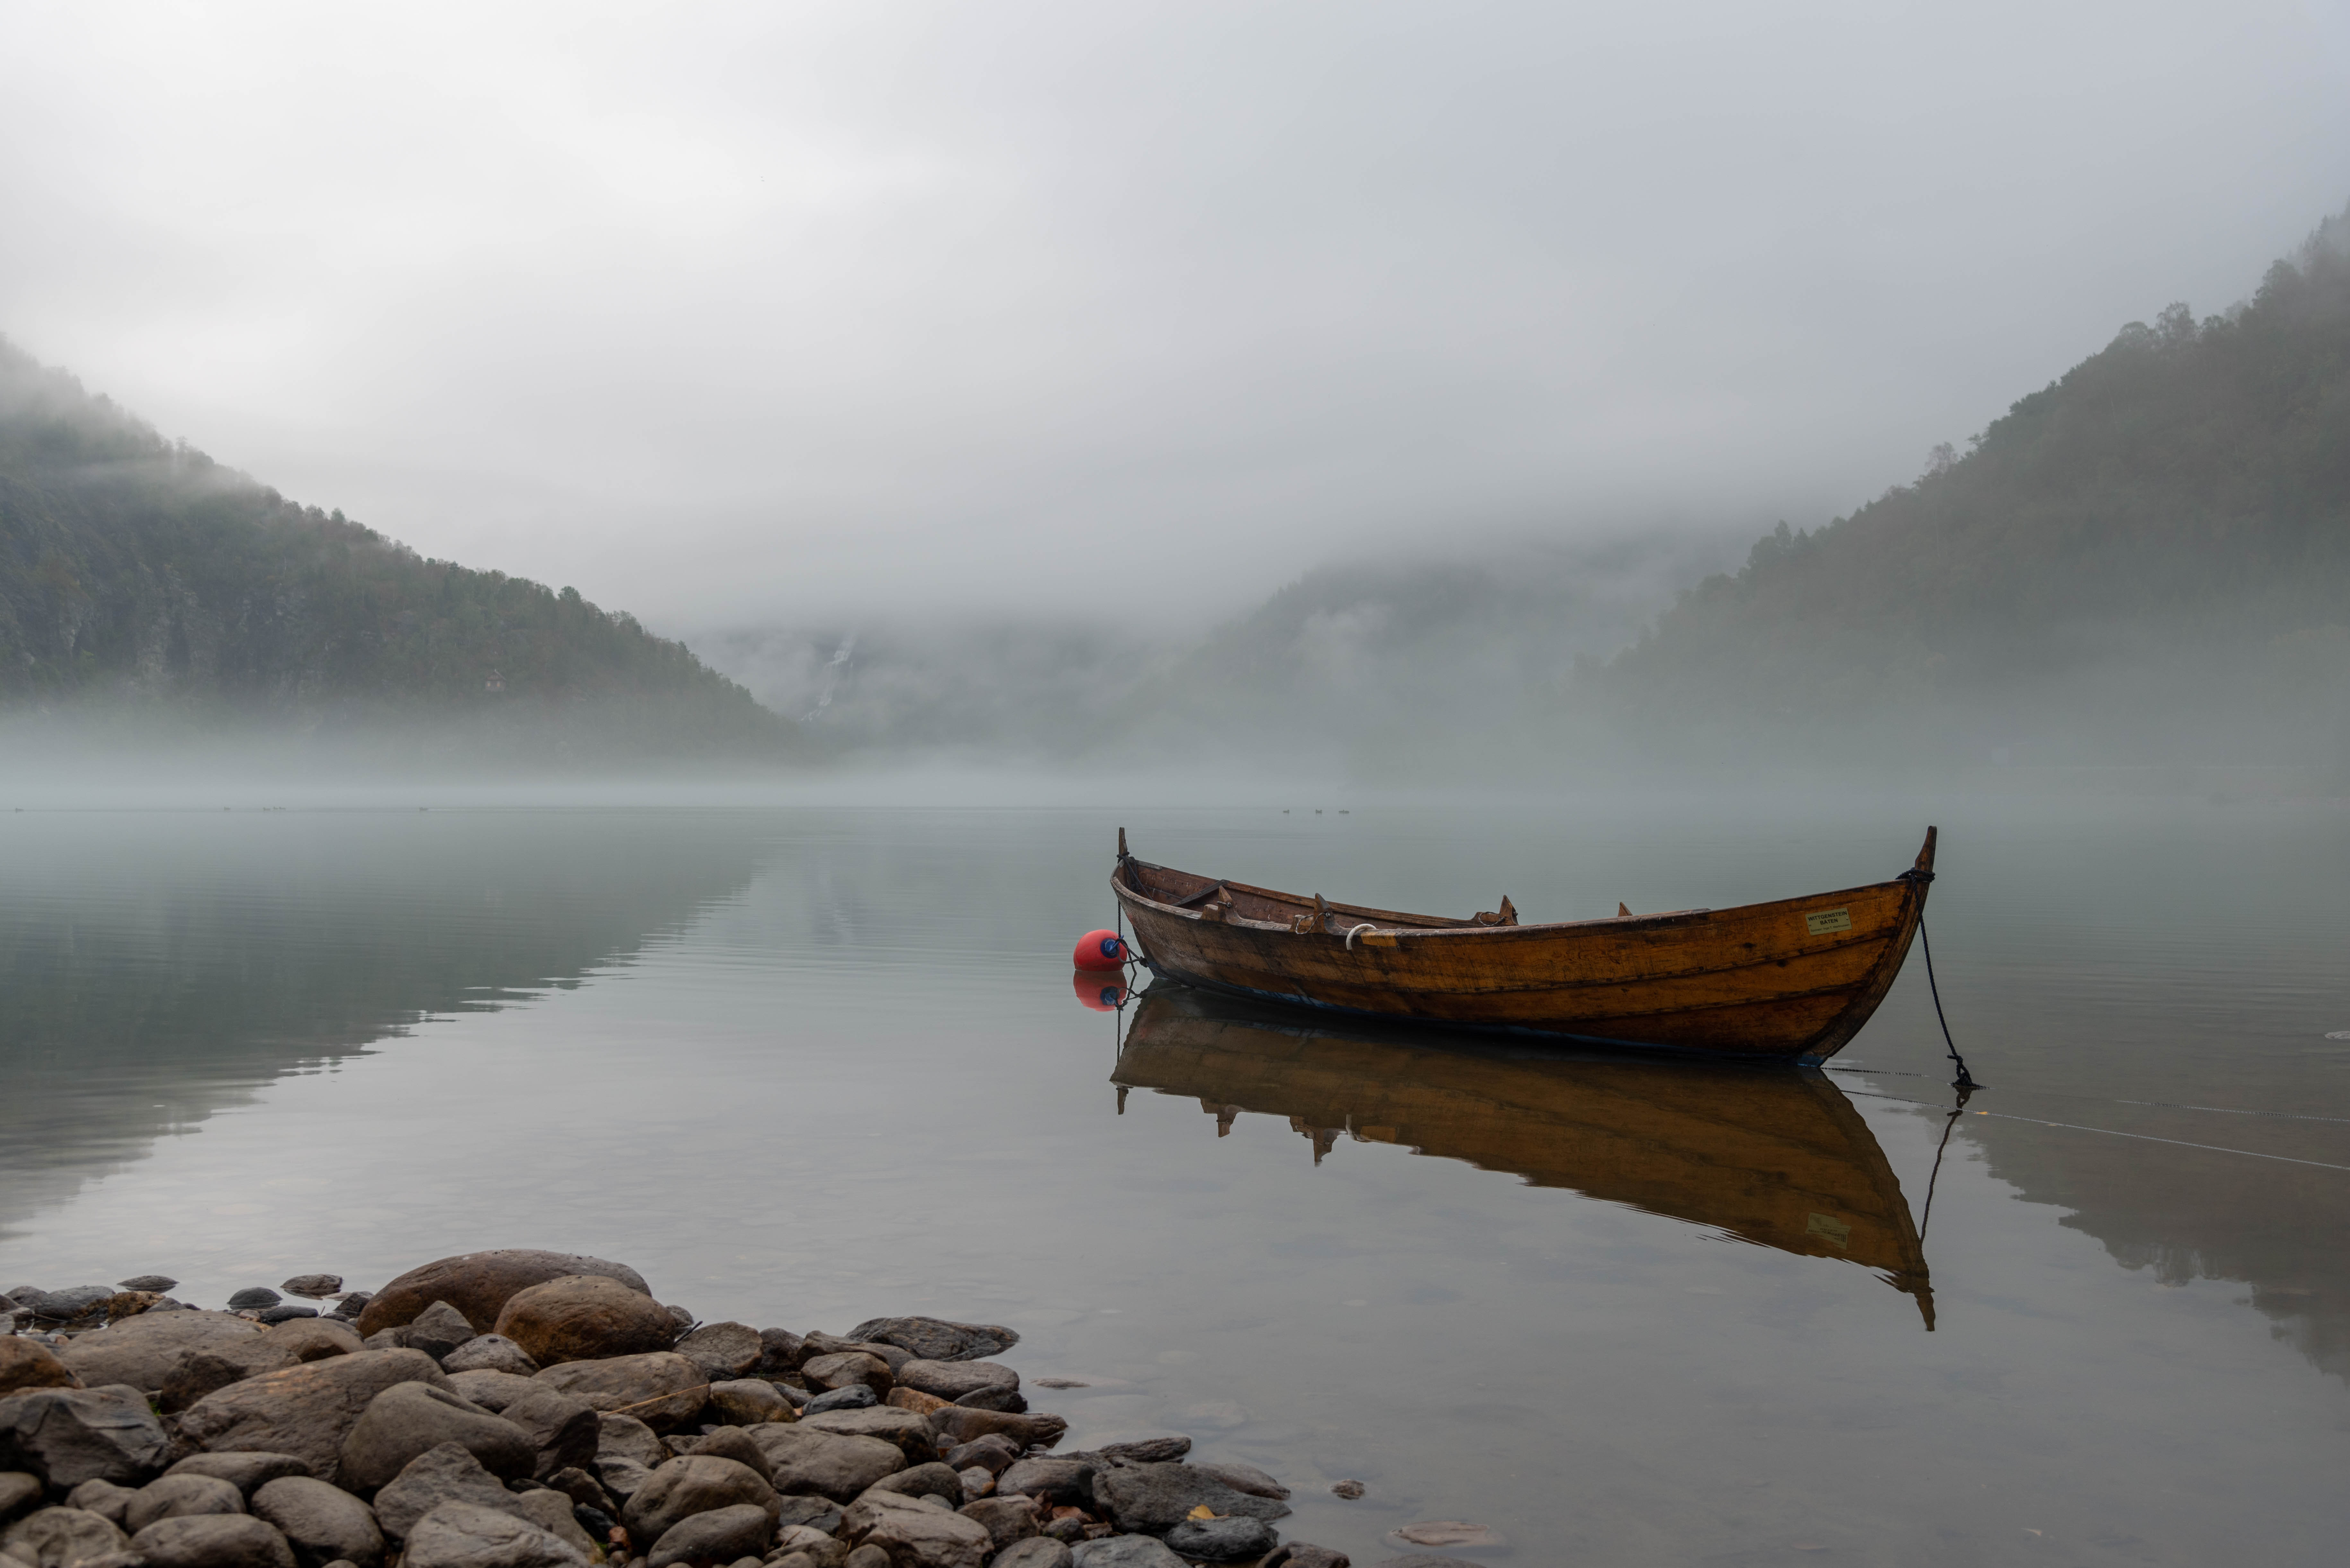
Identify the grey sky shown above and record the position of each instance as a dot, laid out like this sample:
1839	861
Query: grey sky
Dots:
769	312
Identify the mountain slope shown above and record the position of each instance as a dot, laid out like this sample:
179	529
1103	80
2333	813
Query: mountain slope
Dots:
138	573
2151	552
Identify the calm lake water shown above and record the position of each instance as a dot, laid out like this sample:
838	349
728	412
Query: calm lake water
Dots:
804	1067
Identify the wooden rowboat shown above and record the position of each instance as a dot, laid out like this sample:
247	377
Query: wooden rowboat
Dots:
1781	1159
1792	980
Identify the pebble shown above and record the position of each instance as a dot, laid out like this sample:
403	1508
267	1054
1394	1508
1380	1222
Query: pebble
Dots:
148	1283
853	1397
317	1287
253	1297
1349	1489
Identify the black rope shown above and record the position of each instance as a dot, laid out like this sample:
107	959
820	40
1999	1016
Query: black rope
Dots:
1965	1083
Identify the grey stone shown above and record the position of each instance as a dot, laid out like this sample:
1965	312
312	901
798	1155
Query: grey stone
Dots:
409	1419
438	1331
746	1402
802	1461
822	1344
19	1489
71	1302
977	1482
551	1511
563	1431
29	1364
175	1496
253	1298
102	1498
287	1313
469	1535
1242	1478
914	1533
148	1283
353	1304
212	1540
445	1474
716	1535
951	1380
204	1373
489	1353
1148	1450
625	1437
909	1432
583	1489
143	1351
388	1339
1069	1529
936	1339
854	1396
479	1284
622	1478
1222	1539
868	1557
735	1443
931	1479
691	1484
1068	1482
660	1388
246	1472
1007	1519
995	1397
960	1424
815	1513
993	1453
58	1537
1154	1498
1305	1554
69	1436
1037	1552
491	1390
1123	1551
779	1350
724	1350
317	1287
322	1523
843	1368
308	1410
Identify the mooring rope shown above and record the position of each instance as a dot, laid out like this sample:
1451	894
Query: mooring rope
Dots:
2112	1132
1966	1083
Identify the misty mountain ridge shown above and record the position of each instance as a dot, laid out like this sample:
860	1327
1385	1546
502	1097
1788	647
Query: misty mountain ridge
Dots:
1362	665
142	582
2147	560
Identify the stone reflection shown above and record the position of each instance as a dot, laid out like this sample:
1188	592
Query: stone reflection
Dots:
1771	1155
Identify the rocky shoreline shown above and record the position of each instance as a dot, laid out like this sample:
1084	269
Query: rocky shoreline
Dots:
532	1409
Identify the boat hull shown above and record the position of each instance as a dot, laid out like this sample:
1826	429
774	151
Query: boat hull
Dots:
1796	979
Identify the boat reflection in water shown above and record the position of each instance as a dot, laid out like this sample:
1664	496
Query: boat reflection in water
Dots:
1777	1157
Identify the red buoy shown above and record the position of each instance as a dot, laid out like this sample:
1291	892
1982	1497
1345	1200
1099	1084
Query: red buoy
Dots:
1102	950
1099	992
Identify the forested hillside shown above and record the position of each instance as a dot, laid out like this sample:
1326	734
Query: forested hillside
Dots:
137	575
2148	559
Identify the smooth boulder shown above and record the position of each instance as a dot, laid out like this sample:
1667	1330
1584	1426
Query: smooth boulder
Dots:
479	1284
564	1432
69	1436
143	1351
691	1484
56	1537
724	1350
175	1496
1037	1552
212	1540
585	1317
445	1474
19	1489
490	1353
661	1388
1123	1551
718	1535
1153	1499
825	1464
952	1380
746	1402
437	1331
490	1390
1005	1518
1222	1539
936	1339
916	1534
467	1535
307	1411
411	1418
841	1368
323	1524
910	1432
26	1364
961	1424
246	1472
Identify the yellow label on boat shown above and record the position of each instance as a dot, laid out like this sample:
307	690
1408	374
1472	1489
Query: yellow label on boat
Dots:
1833	1231
1828	920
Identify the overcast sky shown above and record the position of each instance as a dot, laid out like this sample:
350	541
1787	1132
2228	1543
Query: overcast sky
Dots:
791	312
